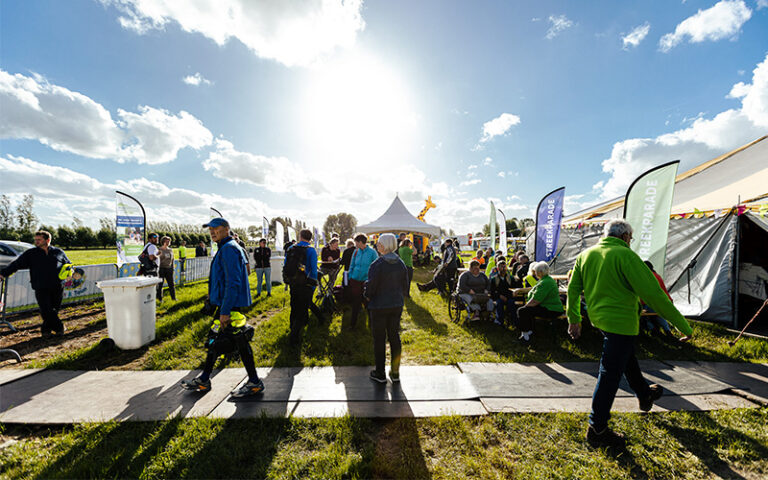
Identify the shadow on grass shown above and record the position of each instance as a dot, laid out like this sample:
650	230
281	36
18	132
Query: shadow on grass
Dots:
424	319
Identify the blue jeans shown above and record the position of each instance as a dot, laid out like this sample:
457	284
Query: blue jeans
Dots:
653	322
618	360
509	306
261	273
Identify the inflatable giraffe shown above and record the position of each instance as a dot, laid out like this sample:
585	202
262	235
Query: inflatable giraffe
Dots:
427	206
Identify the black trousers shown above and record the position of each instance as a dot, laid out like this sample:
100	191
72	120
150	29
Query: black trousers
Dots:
385	325
301	303
243	349
167	275
49	300
410	279
526	315
354	292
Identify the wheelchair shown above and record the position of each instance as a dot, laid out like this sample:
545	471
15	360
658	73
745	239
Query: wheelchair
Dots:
458	310
325	298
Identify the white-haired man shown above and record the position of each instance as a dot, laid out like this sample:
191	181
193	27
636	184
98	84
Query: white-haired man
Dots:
612	279
543	301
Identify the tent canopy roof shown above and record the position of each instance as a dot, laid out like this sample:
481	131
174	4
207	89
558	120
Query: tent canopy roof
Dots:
717	183
397	219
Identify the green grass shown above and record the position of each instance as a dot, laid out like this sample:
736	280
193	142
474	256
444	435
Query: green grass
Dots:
729	444
97	256
428	335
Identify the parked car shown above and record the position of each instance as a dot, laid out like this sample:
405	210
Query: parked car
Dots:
9	250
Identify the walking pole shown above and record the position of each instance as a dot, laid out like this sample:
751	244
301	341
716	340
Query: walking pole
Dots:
733	342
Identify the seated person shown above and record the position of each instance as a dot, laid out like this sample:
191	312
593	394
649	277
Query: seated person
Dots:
502	284
439	281
479	257
651	323
542	301
491	268
330	257
520	268
473	287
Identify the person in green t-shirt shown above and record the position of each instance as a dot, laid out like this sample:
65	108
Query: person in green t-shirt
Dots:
543	301
405	252
182	254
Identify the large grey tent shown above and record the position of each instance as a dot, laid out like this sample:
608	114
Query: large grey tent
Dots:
398	219
717	256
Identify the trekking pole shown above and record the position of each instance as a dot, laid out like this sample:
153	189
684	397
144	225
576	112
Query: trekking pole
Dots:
733	342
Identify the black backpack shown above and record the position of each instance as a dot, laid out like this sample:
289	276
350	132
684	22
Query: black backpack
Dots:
148	267
294	270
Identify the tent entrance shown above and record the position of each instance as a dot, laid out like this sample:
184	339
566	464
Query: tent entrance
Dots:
753	272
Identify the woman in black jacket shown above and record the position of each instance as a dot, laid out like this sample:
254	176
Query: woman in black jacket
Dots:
261	256
386	289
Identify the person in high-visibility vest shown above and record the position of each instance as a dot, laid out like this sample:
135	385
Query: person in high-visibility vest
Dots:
48	266
183	254
228	294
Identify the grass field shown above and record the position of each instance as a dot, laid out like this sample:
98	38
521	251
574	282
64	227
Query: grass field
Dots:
722	444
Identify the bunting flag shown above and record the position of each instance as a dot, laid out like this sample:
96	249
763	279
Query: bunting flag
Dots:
130	228
719	213
503	233
549	215
741	209
763	210
647	208
264	228
492	225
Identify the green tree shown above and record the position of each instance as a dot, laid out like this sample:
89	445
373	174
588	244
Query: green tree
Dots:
65	236
84	237
25	214
106	237
6	214
342	223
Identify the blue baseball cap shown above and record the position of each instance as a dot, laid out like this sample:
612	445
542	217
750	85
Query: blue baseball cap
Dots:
216	222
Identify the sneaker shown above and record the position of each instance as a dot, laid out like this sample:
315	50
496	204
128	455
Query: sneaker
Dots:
606	438
394	376
525	339
378	377
196	384
249	389
647	403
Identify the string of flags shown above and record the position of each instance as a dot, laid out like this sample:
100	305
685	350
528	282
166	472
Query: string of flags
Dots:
757	209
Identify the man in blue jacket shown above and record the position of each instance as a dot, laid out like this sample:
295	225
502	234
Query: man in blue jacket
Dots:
45	264
302	293
228	294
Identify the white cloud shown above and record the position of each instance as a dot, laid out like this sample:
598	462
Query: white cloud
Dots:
502	174
722	20
557	24
473	181
196	80
762	4
472	167
499	126
292	33
637	35
487	161
705	138
69	121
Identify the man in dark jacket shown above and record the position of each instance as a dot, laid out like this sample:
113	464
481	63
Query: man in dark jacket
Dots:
450	262
45	264
301	294
201	250
502	284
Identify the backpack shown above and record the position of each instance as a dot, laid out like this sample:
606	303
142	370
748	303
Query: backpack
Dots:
148	267
294	270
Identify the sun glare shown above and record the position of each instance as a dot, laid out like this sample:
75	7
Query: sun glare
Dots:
358	109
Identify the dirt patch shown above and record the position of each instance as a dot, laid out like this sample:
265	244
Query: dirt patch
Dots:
85	325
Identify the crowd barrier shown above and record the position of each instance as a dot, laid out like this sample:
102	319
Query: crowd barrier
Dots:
81	287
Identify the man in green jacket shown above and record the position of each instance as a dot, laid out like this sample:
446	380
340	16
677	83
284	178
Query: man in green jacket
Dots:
612	279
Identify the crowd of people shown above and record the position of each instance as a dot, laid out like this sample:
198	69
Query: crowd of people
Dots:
609	281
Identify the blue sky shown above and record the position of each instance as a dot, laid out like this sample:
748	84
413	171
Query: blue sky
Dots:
309	108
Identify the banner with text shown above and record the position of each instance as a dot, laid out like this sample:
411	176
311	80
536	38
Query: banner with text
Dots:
279	236
492	226
130	226
647	207
264	228
503	233
548	217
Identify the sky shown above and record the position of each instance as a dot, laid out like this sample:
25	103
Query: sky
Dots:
306	108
